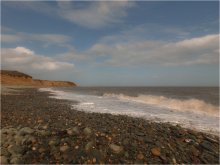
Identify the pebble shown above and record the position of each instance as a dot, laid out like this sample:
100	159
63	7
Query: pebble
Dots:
140	134
18	139
40	121
87	131
25	130
125	142
69	132
174	160
155	151
16	160
94	160
44	133
116	148
41	150
15	149
189	140
4	152
195	152
89	145
207	145
45	127
54	142
211	139
75	130
3	160
33	148
64	148
140	156
148	140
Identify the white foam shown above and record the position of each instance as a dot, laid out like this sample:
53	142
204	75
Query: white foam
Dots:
157	108
87	103
193	105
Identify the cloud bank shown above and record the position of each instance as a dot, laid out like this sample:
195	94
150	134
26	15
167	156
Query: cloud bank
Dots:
95	15
47	38
24	59
201	50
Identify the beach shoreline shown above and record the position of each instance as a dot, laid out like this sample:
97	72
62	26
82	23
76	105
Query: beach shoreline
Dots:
60	134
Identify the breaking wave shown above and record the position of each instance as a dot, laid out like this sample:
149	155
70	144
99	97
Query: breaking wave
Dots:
190	113
192	105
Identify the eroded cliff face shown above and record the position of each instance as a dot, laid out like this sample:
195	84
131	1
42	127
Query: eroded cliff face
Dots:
18	78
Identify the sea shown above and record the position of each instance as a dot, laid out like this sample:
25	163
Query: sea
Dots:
191	107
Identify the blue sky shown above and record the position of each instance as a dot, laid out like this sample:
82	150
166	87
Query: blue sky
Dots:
127	43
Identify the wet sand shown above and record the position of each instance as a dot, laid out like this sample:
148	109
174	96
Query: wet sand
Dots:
38	129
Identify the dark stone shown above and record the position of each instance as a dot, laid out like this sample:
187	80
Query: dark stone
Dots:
211	140
140	134
97	154
148	140
125	142
207	145
62	133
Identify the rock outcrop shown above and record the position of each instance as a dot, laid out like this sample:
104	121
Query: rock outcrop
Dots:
18	78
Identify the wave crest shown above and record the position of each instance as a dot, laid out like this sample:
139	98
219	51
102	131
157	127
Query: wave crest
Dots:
192	105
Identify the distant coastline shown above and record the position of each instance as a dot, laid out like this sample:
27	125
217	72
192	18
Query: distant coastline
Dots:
9	77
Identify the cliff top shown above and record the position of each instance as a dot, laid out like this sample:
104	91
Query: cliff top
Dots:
14	73
9	77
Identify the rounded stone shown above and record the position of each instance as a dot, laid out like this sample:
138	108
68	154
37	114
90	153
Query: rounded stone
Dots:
41	150
54	142
89	145
126	154
64	148
44	133
16	160
18	139
75	130
25	130
94	160
140	156
15	149
45	127
155	151
69	132
87	131
116	148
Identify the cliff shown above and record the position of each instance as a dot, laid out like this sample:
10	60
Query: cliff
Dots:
18	78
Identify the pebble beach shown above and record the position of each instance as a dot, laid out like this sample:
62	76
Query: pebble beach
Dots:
36	129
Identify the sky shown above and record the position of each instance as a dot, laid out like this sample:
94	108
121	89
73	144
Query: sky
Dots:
117	43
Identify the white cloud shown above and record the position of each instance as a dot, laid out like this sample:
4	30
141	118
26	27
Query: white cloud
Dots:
45	38
23	50
199	42
147	31
200	50
24	59
54	38
10	38
96	14
51	65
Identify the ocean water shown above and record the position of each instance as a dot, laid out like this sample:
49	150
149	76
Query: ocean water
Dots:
191	107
